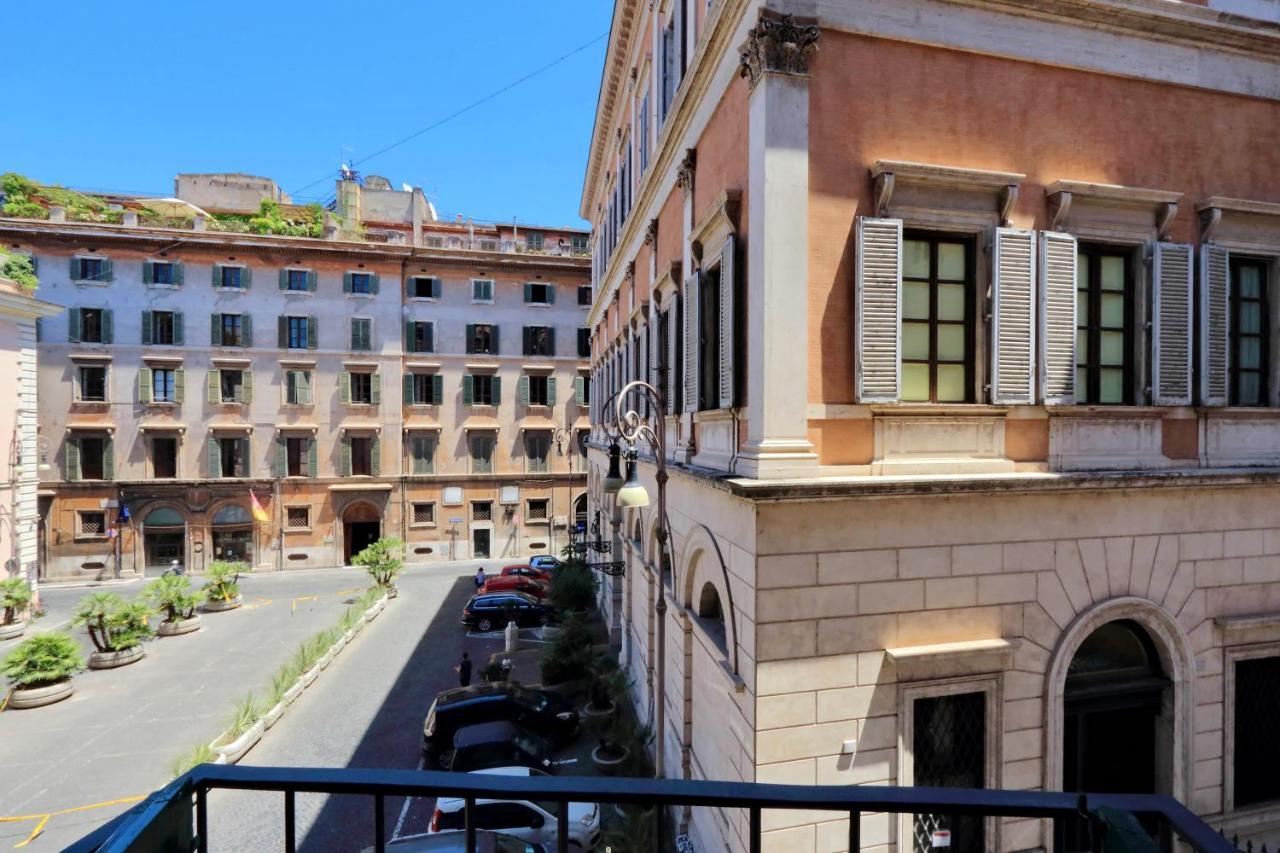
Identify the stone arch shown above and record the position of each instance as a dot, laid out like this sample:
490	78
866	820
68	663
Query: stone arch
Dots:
361	510
1176	658
702	566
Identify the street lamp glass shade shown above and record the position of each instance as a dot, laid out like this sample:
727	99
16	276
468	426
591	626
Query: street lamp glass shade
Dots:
613	480
632	494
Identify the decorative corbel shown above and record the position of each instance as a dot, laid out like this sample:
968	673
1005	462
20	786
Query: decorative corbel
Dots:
1008	197
1168	211
631	271
884	192
1210	219
684	173
777	43
634	74
1059	207
651	232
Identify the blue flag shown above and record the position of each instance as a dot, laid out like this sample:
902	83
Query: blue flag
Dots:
123	517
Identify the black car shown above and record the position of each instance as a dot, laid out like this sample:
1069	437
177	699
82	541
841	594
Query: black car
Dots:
487	745
488	611
537	710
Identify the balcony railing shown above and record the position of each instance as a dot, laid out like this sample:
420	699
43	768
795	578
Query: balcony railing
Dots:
177	816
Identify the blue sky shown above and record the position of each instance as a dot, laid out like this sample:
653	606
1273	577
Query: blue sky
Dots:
123	96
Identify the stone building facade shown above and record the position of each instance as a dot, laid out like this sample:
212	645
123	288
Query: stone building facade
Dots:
429	386
963	314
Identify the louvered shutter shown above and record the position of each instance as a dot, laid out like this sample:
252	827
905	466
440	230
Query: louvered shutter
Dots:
551	390
76	272
374	283
344	459
408	336
468	390
528	293
526	334
215	457
727	315
146	328
429	338
108	326
108	458
1013	316
1057	361
879	286
282	330
72	453
242	463
108	274
144	385
213	386
496	385
344	387
579	389
311	281
522	390
313	458
1215	325
246	387
282	456
407	384
179	385
284	279
1171	325
73	325
215	330
148	272
471	338
375	455
437	390
494	347
178	337
346	282
690	296
246	330
551	340
246	277
178	274
312	342
669	383
375	389
304	387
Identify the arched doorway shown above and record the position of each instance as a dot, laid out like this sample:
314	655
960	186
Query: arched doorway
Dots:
580	511
164	537
1118	701
233	534
361	527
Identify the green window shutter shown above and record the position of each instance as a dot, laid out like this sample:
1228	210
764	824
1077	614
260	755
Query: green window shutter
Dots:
551	391
282	456
108	326
144	385
551	341
179	385
178	274
108	458
146	328
313	458
522	389
435	288
344	387
408	389
215	330
311	280
246	277
76	275
177	328
551	294
437	389
375	454
216	278
494	348
408	336
373	283
346	282
107	272
215	457
431	337
304	387
282	327
497	390
471	337
528	293
468	390
526	337
579	389
344	462
246	331
72	453
375	389
311	333
246	387
242	469
355	334
148	273
73	325
213	386
284	279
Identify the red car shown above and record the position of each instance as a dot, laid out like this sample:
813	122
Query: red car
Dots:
527	572
516	583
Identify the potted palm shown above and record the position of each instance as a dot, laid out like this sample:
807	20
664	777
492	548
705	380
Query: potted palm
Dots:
173	597
221	586
40	669
116	628
381	560
15	595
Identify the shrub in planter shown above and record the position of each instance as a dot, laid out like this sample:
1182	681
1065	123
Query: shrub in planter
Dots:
15	597
621	750
200	754
40	669
221	585
116	628
176	601
382	561
633	833
497	670
573	588
572	654
234	741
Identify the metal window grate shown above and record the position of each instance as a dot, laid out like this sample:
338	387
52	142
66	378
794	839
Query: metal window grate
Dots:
538	510
1257	750
424	513
949	742
298	517
482	511
93	523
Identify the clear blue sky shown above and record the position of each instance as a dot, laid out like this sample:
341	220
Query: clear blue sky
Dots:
123	96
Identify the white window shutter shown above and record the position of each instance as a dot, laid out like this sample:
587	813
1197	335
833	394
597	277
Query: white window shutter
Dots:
1171	325
878	366
727	291
690	297
1215	325
1057	318
669	380
1013	275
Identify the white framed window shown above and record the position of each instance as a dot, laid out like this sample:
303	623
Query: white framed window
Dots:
482	290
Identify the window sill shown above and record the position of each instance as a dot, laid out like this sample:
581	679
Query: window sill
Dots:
162	404
159	286
539	304
361	406
537	523
231	289
361	295
1085	410
90	403
422	299
288	292
289	530
423	525
94	538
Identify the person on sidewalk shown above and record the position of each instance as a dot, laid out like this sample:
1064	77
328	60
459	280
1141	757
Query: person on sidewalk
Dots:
480	579
464	671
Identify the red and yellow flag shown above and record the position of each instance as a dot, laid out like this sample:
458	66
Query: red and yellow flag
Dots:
259	514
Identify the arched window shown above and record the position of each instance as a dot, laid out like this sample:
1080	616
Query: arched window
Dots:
232	514
164	517
711	615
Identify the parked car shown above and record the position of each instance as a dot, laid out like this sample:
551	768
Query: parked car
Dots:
527	571
516	583
527	820
488	611
538	710
456	842
498	745
546	562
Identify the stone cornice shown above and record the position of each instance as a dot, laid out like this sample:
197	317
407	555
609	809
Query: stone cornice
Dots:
613	78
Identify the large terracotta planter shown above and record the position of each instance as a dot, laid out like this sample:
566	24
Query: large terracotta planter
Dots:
35	697
214	605
182	626
13	629
111	660
234	751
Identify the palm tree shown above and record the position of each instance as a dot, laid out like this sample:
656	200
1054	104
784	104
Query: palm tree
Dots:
15	595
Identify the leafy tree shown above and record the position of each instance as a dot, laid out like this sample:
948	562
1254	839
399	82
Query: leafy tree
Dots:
18	269
221	580
114	624
173	596
43	660
572	654
381	560
15	595
573	588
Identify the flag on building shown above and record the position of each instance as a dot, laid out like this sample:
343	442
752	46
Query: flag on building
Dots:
123	517
259	514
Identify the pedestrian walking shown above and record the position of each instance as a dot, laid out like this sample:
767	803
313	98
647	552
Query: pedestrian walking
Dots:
464	671
480	579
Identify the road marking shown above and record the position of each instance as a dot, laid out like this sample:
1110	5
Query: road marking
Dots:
404	811
261	602
45	817
293	605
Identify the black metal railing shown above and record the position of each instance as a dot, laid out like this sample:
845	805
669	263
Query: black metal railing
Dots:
177	816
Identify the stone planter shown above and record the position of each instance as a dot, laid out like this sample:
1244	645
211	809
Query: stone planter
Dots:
269	718
294	692
13	629
111	660
182	626
214	605
234	751
607	765
351	635
327	658
309	676
35	697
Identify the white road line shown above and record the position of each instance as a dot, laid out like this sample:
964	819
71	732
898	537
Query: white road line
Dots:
404	811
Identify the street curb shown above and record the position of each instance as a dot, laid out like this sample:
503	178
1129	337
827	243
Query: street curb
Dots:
81	584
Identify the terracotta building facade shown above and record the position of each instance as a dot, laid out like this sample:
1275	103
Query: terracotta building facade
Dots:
964	318
429	386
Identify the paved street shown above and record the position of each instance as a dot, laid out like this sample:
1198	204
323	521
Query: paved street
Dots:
118	735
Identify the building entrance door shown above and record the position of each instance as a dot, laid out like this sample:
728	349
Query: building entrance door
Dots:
480	543
164	538
361	527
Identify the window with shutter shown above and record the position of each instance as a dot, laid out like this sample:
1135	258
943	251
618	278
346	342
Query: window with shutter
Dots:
728	319
878	285
691	328
71	456
1013	316
1104	325
1215	325
936	305
1249	328
1171	325
1057	362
